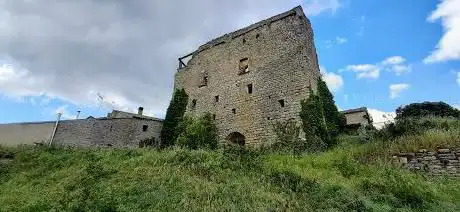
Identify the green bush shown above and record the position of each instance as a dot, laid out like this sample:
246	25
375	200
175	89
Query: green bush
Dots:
197	133
417	110
416	126
312	117
335	121
174	115
288	139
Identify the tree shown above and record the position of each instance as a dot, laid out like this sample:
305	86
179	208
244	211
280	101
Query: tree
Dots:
416	110
174	115
333	118
312	116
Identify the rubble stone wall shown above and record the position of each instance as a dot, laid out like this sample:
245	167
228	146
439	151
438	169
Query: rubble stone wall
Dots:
435	163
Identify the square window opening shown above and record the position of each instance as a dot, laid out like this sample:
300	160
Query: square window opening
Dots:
145	128
244	65
234	111
281	101
216	98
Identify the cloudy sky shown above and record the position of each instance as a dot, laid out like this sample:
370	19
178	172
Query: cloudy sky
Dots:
88	55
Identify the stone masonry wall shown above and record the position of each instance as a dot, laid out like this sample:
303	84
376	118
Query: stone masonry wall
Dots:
282	66
123	132
435	163
357	118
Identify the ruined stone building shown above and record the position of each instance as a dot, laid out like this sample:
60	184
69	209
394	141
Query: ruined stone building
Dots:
252	77
118	129
357	117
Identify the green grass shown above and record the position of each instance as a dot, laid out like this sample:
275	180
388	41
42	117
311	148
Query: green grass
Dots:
44	179
351	177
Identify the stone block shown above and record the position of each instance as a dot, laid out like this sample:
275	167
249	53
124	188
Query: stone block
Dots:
443	150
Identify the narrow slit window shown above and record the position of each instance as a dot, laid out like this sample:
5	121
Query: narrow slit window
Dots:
213	116
244	66
193	104
145	128
250	89
204	80
281	101
216	98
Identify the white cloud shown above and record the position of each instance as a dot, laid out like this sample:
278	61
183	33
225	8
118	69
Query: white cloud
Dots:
341	40
315	7
334	81
365	70
65	114
372	71
458	78
380	118
400	69
338	41
448	47
396	89
125	50
395	60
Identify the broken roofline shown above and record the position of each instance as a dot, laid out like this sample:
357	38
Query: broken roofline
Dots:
222	39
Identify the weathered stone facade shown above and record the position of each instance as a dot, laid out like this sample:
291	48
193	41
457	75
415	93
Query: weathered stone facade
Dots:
104	132
119	129
252	77
357	117
435	163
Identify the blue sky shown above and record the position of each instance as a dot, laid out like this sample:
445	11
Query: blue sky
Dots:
378	54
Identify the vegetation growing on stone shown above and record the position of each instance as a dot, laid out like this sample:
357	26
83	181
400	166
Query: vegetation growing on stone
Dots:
198	133
312	116
174	115
335	121
349	177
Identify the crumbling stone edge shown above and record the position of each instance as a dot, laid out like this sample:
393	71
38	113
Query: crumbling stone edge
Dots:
440	162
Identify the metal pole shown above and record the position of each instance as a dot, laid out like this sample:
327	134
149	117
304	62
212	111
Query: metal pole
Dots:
55	128
78	114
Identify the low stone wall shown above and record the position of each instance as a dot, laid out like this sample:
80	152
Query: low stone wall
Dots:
434	163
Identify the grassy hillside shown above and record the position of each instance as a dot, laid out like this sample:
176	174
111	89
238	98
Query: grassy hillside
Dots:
352	177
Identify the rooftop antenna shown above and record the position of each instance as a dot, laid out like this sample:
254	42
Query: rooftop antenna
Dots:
101	99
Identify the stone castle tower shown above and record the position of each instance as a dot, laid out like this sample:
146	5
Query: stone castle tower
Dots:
252	77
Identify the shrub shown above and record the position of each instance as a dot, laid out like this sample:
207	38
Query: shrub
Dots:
236	157
416	126
335	121
346	166
174	115
312	118
416	110
196	133
148	142
366	134
288	139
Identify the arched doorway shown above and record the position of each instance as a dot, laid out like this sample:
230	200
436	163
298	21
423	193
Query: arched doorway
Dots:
236	138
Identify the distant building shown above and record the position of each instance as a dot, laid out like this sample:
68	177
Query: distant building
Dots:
357	117
118	129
